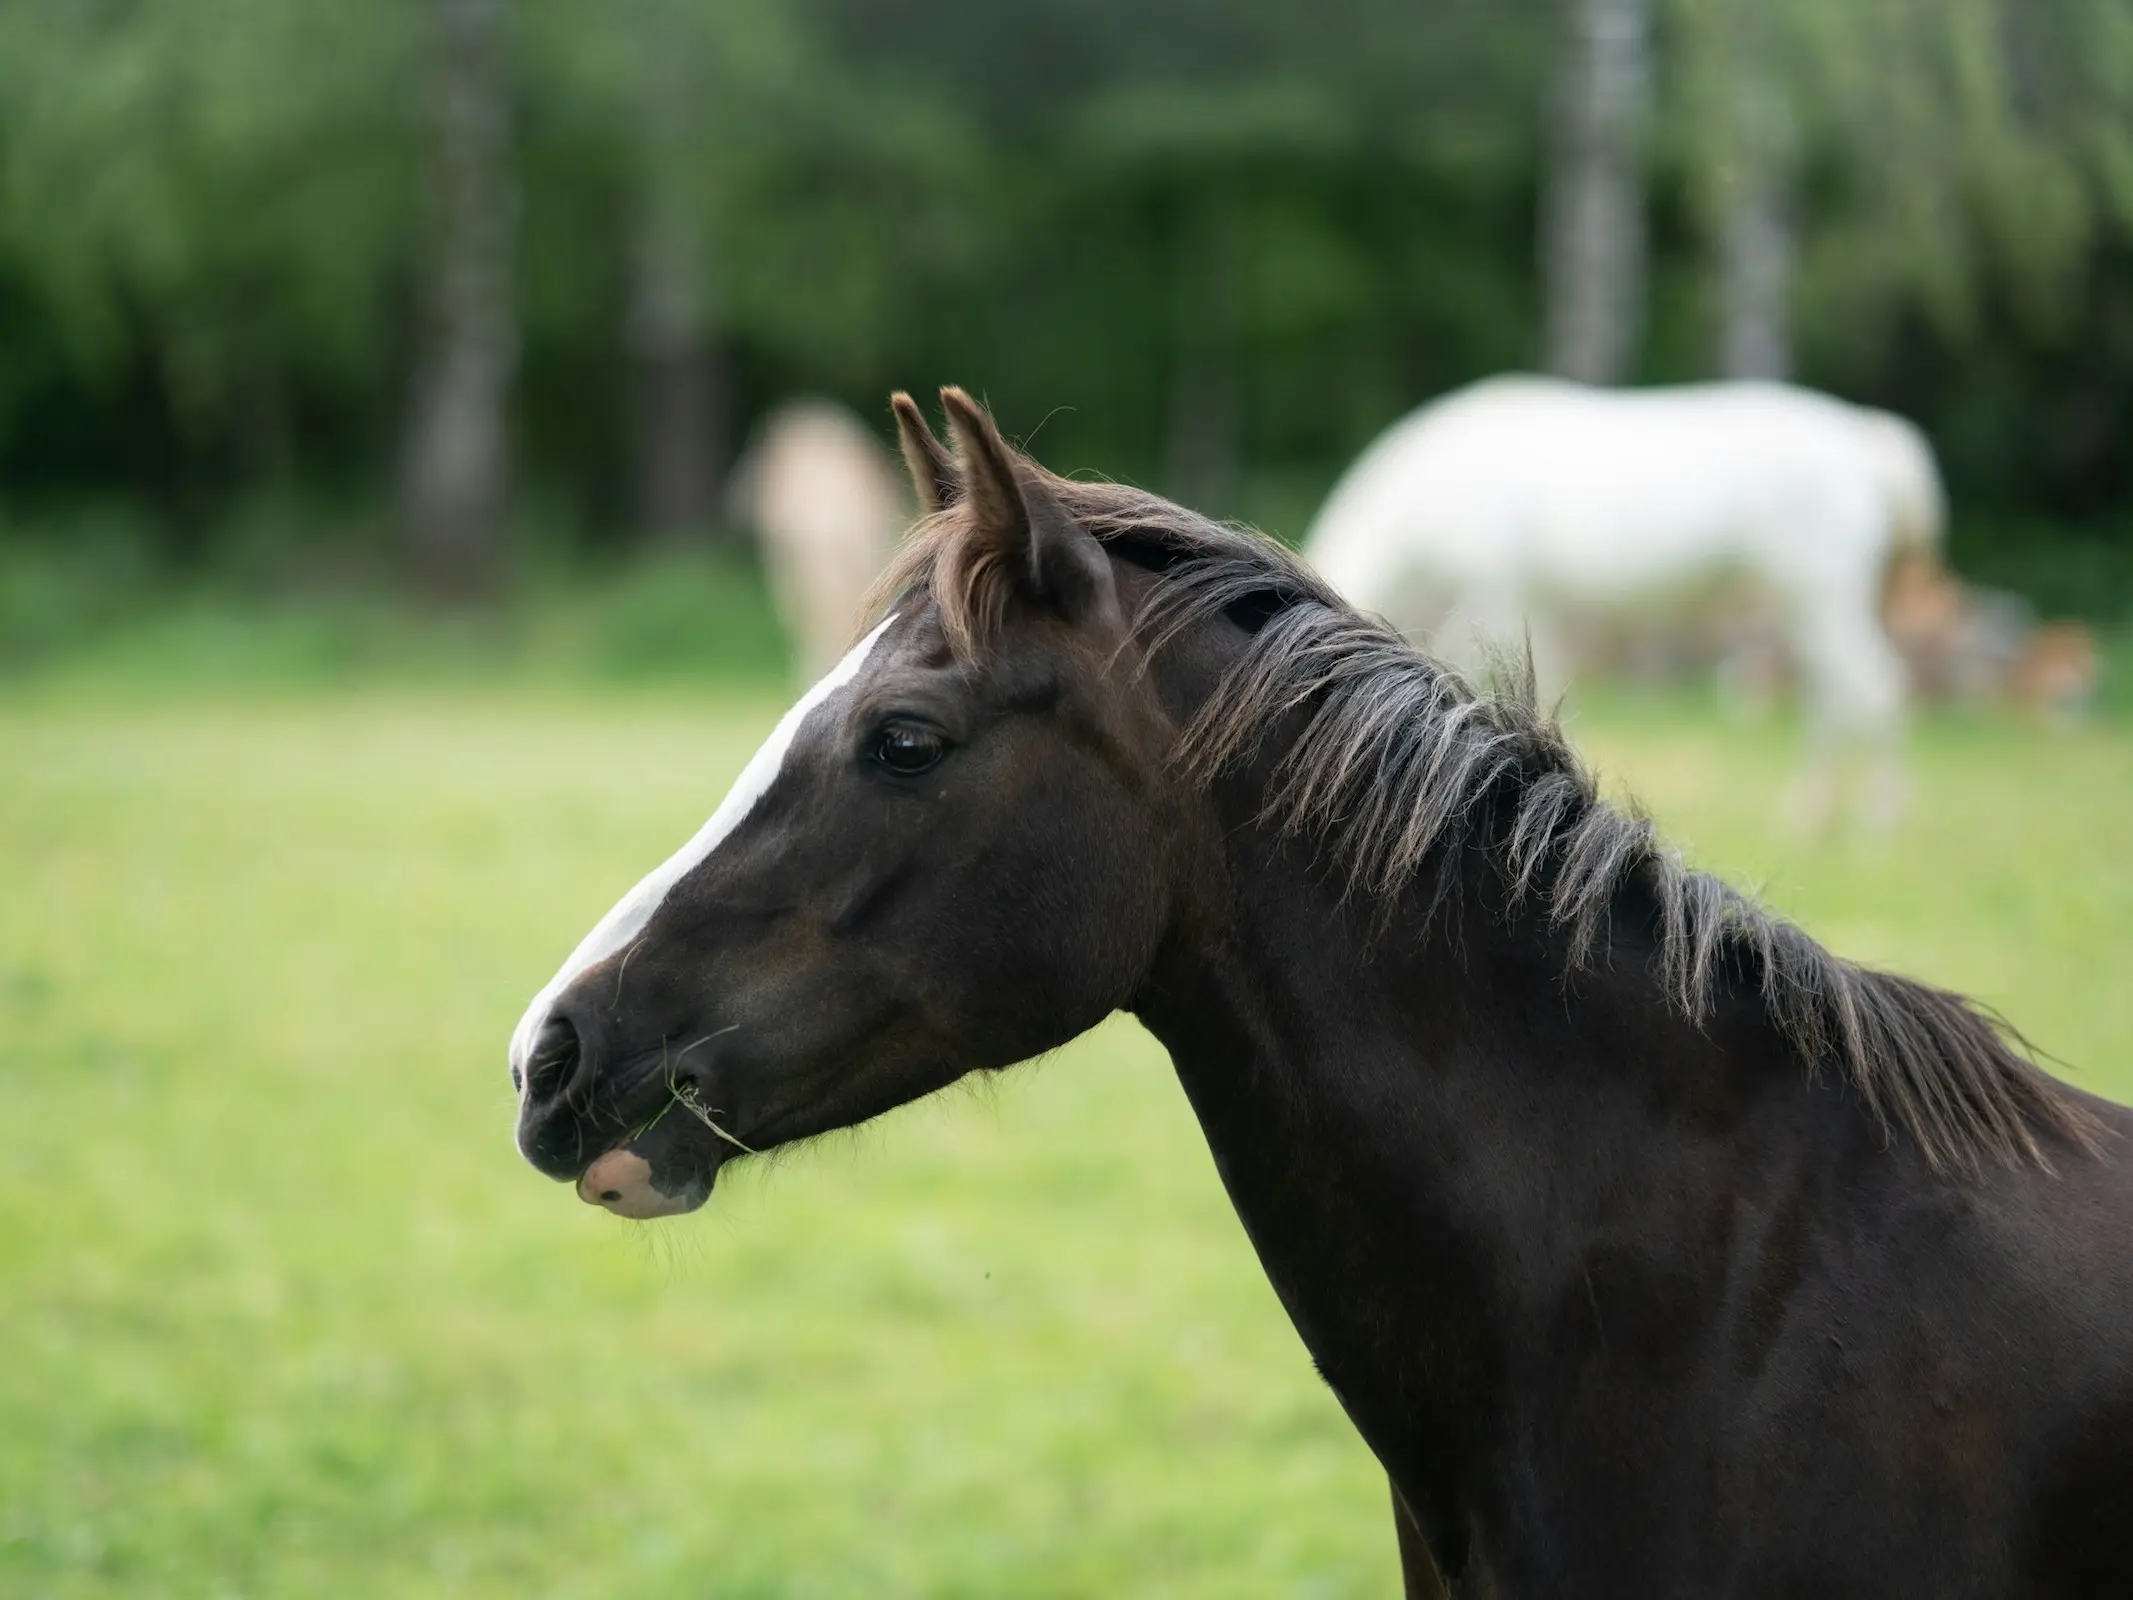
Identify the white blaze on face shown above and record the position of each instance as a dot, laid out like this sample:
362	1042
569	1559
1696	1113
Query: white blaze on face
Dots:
635	909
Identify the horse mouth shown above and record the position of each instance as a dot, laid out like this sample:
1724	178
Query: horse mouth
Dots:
626	1183
664	1159
665	1169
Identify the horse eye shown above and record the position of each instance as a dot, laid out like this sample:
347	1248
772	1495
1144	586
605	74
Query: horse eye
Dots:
908	748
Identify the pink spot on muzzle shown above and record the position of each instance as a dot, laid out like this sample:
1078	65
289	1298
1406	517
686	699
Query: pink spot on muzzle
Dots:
621	1182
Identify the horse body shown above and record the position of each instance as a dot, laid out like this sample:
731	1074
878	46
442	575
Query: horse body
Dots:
1526	504
1652	1249
1629	1305
1639	1315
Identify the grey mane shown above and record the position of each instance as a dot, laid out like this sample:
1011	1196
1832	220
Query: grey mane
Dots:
1394	764
1399	762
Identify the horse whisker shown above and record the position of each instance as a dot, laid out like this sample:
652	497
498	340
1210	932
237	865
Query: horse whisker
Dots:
716	1033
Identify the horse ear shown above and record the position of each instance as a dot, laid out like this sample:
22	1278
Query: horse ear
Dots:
1064	566
932	467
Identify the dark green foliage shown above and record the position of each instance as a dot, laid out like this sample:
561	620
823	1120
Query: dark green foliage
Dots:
96	611
1211	247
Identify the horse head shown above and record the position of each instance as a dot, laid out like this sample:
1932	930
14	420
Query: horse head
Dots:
944	859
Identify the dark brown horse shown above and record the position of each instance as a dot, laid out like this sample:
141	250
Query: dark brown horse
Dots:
1653	1249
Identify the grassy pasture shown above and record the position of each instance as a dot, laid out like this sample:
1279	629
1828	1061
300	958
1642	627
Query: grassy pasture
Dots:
282	1314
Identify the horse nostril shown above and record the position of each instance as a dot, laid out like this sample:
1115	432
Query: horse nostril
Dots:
554	1060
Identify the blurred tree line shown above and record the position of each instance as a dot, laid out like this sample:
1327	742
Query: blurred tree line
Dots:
452	256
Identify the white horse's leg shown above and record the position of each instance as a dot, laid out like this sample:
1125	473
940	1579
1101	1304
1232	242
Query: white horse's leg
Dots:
1854	685
1888	785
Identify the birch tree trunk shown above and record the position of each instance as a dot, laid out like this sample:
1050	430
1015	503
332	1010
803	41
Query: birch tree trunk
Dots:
1755	339
1592	222
681	390
1755	244
458	459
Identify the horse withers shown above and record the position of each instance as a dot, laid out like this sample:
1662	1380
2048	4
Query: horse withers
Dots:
1653	1249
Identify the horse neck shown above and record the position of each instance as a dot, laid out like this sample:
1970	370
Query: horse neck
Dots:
1429	1137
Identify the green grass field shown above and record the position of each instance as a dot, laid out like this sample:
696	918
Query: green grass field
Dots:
281	1313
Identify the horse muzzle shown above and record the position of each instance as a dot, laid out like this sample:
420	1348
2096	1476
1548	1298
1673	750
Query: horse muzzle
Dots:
622	1182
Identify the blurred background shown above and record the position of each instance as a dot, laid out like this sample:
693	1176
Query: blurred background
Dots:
380	595
462	296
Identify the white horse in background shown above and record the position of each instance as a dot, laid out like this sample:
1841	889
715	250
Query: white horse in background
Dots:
828	504
1522	506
